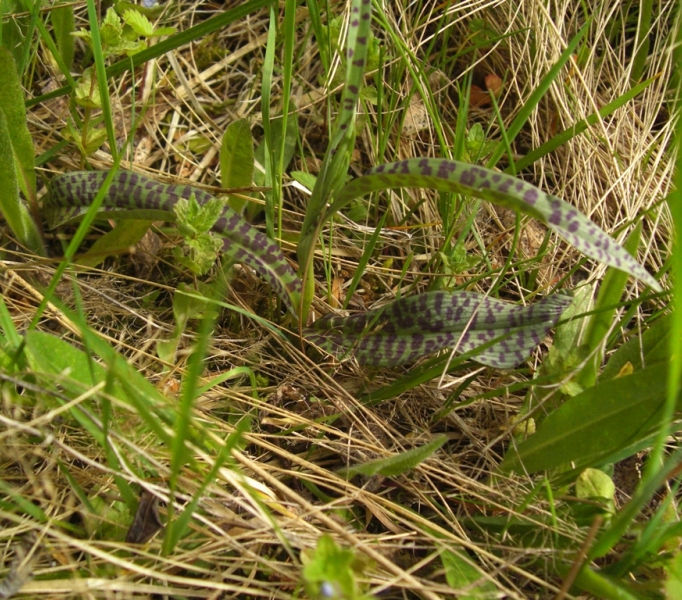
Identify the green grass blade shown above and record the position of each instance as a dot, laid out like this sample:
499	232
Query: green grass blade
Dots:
266	93
398	464
568	134
337	155
537	94
101	73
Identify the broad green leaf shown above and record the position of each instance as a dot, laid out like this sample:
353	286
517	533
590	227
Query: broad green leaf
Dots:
74	369
237	160
465	578
594	483
119	240
673	579
399	463
592	428
652	347
499	188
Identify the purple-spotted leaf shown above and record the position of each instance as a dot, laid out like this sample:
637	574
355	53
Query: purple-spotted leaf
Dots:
508	191
501	334
135	196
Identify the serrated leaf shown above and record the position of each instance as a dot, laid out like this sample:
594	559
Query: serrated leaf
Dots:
399	463
111	29
140	24
193	217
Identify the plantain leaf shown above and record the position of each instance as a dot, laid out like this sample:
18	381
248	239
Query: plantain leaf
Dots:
503	334
505	190
593	428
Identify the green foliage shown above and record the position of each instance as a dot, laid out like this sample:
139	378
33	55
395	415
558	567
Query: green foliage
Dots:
237	160
463	574
186	306
127	35
603	424
16	157
330	572
195	222
398	464
63	24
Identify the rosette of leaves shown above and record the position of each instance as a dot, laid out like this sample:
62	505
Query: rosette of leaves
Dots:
499	334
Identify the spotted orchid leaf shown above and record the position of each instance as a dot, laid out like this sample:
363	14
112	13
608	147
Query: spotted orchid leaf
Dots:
505	190
134	196
501	334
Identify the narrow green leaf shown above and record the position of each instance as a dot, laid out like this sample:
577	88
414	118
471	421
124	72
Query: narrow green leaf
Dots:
14	211
505	190
337	156
12	105
63	25
598	325
100	72
399	463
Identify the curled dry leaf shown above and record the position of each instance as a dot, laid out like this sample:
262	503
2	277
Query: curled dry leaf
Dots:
147	520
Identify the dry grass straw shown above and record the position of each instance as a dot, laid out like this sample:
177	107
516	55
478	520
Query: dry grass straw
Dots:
254	520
